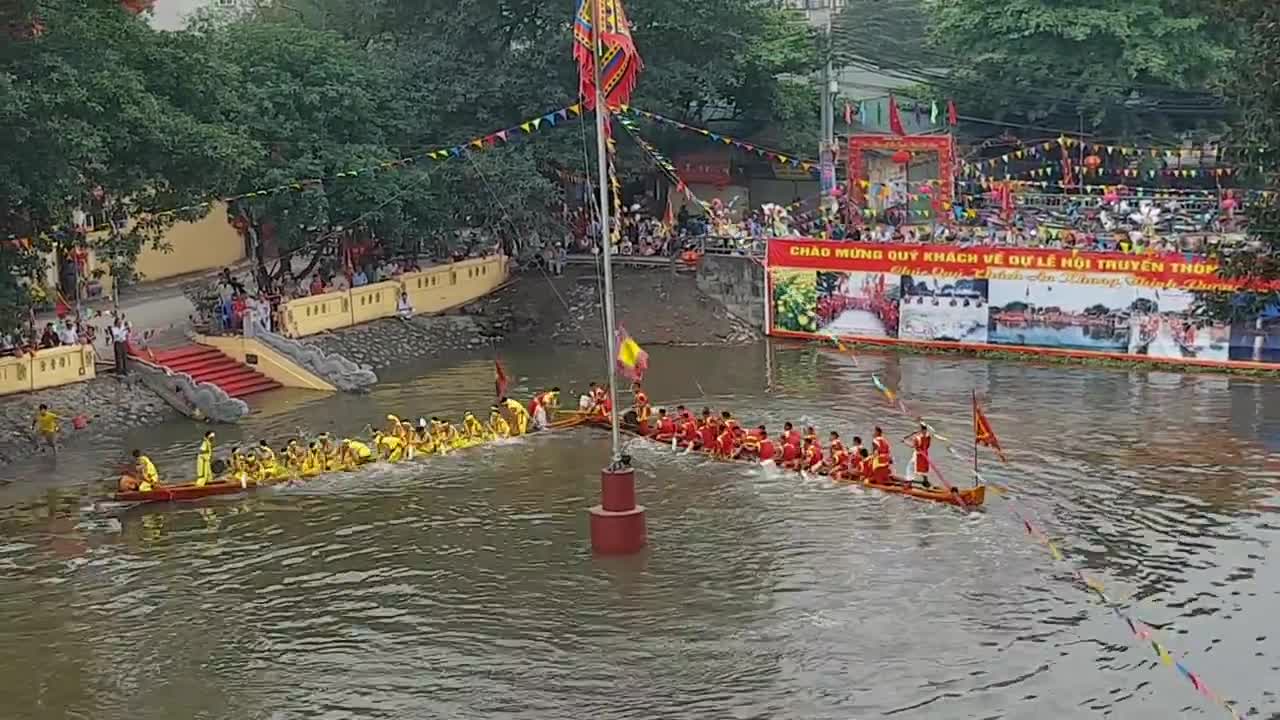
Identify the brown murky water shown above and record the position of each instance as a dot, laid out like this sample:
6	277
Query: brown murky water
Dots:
463	587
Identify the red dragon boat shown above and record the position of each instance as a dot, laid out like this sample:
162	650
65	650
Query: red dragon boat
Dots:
968	498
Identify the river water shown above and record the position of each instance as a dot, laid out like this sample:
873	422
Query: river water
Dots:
463	587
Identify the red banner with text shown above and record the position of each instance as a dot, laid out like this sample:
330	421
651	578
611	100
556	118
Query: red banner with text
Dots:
1035	300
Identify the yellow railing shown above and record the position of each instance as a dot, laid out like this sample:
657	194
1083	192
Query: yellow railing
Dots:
46	369
430	291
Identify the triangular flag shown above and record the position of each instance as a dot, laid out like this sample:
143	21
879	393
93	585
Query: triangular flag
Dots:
478	143
562	114
550	118
527	127
537	122
502	135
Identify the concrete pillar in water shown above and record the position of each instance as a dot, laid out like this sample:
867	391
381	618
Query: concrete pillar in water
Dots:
617	523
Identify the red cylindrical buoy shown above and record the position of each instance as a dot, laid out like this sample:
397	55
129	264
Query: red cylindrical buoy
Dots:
617	524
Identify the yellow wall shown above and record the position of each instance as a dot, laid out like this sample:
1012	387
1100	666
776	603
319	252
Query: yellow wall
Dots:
430	291
46	369
317	313
202	245
206	244
438	289
374	301
270	363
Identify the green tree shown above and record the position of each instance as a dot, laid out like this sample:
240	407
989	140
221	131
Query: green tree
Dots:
97	110
1121	68
1254	90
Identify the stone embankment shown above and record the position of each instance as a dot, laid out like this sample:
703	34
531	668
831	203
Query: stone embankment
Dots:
655	305
110	404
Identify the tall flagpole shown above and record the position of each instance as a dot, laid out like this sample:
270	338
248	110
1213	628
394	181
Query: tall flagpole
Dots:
597	19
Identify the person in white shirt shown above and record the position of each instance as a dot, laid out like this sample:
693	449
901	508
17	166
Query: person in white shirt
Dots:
403	307
120	346
67	334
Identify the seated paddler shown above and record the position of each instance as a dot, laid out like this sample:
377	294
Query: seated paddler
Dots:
519	416
666	426
498	424
473	428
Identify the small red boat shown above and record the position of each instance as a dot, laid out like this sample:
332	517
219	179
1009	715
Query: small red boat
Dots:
967	498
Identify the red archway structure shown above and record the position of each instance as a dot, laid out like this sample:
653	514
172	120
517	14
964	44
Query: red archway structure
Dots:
943	145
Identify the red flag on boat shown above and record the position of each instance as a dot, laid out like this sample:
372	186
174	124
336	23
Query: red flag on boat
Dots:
895	118
499	379
953	116
982	432
620	63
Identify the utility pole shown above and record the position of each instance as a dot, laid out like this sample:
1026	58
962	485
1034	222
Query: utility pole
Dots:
827	143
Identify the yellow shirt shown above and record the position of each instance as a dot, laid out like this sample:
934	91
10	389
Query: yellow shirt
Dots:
206	449
148	470
47	422
499	425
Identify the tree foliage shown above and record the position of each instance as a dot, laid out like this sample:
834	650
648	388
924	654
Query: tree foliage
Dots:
97	108
1135	67
1254	91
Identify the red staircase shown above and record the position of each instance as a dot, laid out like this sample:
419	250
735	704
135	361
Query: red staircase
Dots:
206	364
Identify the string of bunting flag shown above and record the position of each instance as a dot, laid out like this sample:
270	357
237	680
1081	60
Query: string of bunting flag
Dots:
1174	154
505	136
661	162
985	435
1055	170
806	164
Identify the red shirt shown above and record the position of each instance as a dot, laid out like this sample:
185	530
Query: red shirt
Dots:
689	429
666	426
726	442
766	449
791	437
813	456
709	435
790	451
881	446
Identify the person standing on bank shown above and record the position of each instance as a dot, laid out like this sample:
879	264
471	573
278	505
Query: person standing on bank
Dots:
120	346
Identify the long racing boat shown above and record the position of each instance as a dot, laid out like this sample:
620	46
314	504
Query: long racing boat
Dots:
190	491
968	498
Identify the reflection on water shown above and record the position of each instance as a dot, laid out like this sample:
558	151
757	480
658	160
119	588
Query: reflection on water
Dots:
462	586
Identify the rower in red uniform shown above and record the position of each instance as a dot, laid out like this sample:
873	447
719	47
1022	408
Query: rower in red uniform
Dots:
838	457
790	455
749	444
643	410
789	435
688	428
766	451
856	453
666	426
812	455
880	447
709	431
726	442
599	399
810	434
727	421
920	442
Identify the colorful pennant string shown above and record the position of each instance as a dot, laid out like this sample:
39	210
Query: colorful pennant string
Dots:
808	165
505	136
662	163
1140	631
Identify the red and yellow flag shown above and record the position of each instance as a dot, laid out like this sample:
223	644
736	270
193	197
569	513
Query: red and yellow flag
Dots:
982	432
620	63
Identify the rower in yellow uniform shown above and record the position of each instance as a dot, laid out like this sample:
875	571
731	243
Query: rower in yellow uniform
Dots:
353	454
315	462
474	429
295	458
204	461
269	463
406	440
328	453
148	478
519	416
497	424
422	438
46	426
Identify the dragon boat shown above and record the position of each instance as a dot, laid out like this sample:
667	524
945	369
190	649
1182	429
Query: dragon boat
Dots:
968	498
